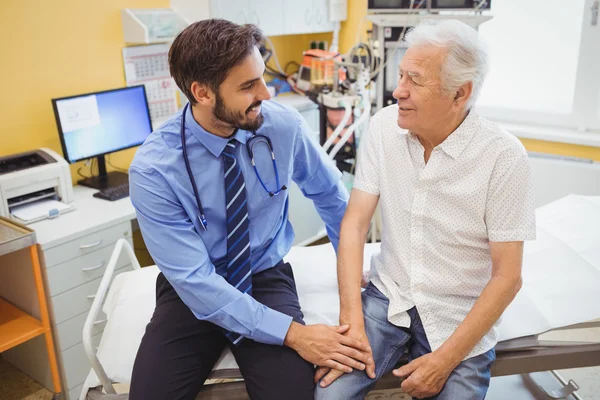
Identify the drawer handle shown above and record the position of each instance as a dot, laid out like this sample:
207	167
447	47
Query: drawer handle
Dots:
94	267
100	321
91	296
89	246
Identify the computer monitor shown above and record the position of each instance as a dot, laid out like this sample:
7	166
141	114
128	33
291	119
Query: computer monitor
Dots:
95	124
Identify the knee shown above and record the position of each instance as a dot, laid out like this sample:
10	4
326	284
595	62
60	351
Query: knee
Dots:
328	393
346	387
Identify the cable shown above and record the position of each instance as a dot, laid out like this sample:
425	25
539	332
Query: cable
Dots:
365	115
358	31
115	167
272	72
81	175
347	113
292	83
371	63
291	63
274	57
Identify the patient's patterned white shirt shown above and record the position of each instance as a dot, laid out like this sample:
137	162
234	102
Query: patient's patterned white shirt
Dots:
438	218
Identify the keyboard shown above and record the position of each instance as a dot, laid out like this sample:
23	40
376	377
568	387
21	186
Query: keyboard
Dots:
114	192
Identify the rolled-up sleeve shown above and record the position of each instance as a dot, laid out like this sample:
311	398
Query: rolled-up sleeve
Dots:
369	157
319	180
510	208
182	257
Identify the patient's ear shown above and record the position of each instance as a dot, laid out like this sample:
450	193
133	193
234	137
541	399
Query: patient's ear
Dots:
462	95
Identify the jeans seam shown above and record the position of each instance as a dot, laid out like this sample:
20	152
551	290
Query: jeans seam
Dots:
386	360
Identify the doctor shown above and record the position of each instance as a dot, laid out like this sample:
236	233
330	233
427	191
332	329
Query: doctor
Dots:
210	191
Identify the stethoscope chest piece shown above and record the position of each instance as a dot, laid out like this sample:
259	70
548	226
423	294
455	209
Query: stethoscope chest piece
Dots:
253	141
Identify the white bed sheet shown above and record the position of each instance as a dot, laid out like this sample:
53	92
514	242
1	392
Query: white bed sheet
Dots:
561	277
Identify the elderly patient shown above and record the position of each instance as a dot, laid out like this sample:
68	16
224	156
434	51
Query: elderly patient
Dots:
456	198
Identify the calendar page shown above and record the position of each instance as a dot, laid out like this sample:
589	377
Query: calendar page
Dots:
148	66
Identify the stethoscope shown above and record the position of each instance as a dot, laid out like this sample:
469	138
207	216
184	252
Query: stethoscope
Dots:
250	143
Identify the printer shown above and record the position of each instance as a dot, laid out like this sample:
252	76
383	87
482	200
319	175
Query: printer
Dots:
35	185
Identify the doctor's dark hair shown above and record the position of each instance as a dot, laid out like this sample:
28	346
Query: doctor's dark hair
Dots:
207	50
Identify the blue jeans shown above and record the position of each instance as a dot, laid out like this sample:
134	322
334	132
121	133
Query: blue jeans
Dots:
469	381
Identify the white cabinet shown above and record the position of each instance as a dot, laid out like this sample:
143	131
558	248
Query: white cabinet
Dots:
194	10
321	21
298	16
268	16
310	16
237	11
274	17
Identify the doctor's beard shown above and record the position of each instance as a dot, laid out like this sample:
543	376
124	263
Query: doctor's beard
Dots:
235	118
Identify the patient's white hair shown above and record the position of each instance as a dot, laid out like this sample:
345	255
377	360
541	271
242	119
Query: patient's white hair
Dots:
467	58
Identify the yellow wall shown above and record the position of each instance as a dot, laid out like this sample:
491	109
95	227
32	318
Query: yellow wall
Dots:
562	149
66	47
52	49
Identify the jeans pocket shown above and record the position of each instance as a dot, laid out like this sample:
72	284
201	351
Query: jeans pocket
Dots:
372	291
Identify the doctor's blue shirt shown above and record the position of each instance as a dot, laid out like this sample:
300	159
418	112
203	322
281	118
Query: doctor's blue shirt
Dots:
194	260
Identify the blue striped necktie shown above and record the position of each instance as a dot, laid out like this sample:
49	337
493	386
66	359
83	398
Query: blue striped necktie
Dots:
239	268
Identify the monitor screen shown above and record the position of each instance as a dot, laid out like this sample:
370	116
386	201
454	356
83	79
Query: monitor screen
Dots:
95	124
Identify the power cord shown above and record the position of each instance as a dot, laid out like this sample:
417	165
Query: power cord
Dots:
81	175
115	167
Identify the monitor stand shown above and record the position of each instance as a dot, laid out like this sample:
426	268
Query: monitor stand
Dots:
104	180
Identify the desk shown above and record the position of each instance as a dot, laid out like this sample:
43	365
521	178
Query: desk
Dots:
17	326
73	252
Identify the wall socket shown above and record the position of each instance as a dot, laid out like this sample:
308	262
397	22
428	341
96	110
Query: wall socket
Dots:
319	44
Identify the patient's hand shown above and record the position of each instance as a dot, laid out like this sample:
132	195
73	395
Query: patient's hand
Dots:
327	375
326	346
425	376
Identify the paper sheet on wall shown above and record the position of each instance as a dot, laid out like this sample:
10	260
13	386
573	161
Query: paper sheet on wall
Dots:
149	66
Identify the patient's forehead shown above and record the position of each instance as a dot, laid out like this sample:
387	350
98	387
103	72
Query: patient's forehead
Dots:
423	60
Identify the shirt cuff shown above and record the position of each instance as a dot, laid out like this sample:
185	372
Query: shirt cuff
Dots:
365	188
273	327
512	236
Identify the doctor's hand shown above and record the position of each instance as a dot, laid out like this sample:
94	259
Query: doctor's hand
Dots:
425	376
328	375
326	346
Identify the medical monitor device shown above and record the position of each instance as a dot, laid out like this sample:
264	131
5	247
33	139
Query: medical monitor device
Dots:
93	125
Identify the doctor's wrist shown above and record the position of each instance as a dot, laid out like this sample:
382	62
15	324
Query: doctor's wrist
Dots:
291	336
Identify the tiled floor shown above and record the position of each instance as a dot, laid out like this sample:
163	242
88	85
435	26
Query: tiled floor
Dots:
16	386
